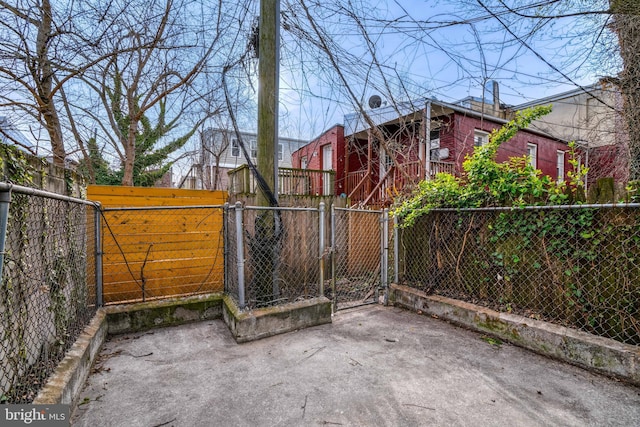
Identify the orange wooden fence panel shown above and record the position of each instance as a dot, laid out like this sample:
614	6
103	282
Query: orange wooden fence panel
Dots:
157	253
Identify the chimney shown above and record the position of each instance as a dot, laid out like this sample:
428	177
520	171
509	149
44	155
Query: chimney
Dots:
496	99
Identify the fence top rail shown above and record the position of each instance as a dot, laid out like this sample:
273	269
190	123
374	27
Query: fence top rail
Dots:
13	188
359	210
547	207
159	208
274	208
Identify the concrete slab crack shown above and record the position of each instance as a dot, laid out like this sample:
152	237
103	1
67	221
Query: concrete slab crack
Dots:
304	407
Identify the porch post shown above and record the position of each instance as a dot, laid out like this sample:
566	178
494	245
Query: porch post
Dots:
427	138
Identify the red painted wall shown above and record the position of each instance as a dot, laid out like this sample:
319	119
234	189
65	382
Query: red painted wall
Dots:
313	152
463	130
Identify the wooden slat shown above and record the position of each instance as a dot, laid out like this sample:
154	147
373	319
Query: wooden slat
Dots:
149	238
210	245
139	253
175	228
124	279
118	196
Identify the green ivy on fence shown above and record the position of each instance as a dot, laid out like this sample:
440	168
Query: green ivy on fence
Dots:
574	266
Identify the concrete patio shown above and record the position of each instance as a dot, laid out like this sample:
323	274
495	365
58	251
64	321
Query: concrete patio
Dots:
373	365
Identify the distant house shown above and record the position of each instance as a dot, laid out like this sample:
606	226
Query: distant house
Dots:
413	141
326	152
220	152
591	116
10	135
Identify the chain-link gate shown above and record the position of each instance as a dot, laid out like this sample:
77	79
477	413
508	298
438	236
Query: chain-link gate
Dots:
359	264
274	255
280	255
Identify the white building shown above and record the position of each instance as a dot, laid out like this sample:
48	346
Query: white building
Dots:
221	151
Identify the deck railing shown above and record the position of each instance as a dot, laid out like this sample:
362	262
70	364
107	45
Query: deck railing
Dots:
292	182
361	186
441	167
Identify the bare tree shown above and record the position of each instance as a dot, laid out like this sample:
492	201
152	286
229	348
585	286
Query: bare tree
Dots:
43	47
214	144
163	49
33	35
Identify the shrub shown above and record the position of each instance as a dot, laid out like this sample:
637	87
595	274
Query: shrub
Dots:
485	182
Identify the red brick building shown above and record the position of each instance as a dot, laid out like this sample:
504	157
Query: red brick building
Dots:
404	148
326	152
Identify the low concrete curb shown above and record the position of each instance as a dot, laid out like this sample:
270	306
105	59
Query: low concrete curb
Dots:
265	322
65	384
595	353
157	314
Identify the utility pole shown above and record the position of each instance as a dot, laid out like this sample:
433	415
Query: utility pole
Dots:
267	227
268	76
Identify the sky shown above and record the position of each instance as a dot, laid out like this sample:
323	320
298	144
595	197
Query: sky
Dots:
419	54
448	62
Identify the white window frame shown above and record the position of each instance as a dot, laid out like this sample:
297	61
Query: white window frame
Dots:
532	153
480	138
235	148
280	151
560	165
254	148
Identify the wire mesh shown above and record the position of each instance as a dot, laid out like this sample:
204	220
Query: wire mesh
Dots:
357	257
280	257
159	252
47	295
576	267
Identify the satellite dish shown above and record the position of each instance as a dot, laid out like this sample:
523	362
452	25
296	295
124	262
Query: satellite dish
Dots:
375	101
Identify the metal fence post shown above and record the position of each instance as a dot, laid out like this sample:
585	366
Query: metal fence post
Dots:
97	223
240	254
5	201
333	257
384	262
396	250
321	247
225	239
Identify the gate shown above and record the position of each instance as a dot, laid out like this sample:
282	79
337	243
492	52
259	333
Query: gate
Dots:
359	256
343	256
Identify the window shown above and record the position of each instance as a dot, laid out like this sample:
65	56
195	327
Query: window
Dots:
532	153
560	166
480	138
434	138
280	152
254	149
235	148
303	162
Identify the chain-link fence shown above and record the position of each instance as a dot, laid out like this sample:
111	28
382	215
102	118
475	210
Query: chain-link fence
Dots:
47	293
275	255
159	252
575	266
358	256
